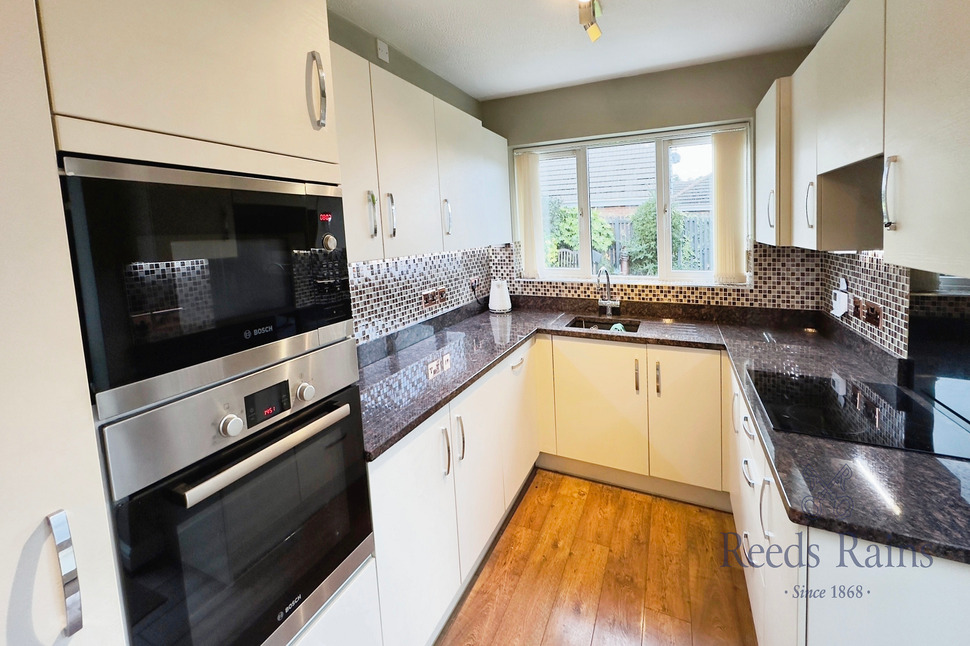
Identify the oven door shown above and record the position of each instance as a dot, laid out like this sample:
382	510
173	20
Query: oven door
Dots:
226	551
177	268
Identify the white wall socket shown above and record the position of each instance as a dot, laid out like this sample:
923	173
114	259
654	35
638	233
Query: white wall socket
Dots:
434	369
383	52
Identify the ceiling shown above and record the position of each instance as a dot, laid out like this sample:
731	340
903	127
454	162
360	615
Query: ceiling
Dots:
498	48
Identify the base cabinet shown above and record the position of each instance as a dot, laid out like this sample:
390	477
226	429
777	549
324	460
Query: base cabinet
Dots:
353	616
522	376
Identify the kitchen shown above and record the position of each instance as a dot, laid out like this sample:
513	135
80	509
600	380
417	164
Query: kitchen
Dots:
387	323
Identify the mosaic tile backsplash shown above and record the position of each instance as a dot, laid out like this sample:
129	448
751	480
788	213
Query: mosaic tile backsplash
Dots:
940	306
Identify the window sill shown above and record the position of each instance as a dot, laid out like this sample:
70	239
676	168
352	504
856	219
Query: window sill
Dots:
628	280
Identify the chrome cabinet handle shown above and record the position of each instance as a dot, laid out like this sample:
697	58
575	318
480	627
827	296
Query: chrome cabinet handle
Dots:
444	431
636	374
518	363
447	206
372	207
322	76
886	222
761	507
734	413
194	495
744	471
461	426
808	191
771	194
390	204
64	543
658	379
747	430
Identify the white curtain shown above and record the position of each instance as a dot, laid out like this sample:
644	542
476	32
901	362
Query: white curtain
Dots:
528	207
730	205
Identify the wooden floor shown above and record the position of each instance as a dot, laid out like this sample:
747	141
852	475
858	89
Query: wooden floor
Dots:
584	563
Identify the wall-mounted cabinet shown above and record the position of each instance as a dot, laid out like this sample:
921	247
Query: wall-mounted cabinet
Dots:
254	76
927	139
773	165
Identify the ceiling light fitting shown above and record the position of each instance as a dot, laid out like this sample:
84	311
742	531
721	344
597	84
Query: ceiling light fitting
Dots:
589	11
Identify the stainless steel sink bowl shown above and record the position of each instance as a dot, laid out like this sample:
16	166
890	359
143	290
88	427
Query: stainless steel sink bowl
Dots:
604	324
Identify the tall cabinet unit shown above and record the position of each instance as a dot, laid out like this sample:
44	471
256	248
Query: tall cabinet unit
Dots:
50	459
804	193
494	193
252	75
459	138
773	177
407	165
363	215
927	140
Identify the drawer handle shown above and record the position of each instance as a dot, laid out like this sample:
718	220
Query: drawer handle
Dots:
447	205
761	507
444	431
461	427
372	207
658	379
636	375
744	471
771	194
745	425
322	76
67	561
734	412
518	364
886	222
390	205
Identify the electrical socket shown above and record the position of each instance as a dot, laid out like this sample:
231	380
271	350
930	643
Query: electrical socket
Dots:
434	369
873	314
383	52
473	283
429	297
442	296
446	362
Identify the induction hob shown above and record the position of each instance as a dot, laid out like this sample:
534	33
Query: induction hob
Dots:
860	412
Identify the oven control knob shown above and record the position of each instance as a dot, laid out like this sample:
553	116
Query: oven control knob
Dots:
230	426
306	392
329	242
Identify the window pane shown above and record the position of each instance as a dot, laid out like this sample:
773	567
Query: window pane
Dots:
560	212
691	202
623	201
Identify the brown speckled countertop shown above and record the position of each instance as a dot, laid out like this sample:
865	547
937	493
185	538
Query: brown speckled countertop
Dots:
897	497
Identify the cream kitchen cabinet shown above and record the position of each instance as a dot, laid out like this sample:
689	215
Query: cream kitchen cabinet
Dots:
528	409
927	141
415	532
363	215
407	165
459	150
353	616
252	75
803	145
773	173
493	190
850	86
50	459
601	403
544	405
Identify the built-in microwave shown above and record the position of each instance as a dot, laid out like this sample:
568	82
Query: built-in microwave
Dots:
188	278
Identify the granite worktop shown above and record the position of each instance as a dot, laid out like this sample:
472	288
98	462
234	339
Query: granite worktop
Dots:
889	496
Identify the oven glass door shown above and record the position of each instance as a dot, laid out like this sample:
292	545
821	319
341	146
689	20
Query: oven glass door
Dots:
174	275
230	568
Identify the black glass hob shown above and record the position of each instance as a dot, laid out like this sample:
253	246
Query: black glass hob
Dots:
860	412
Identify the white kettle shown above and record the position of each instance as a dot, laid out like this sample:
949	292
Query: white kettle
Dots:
499	300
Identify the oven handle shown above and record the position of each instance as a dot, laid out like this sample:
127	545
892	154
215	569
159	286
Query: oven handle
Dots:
240	470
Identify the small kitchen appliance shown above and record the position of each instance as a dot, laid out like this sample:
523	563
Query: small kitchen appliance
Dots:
499	301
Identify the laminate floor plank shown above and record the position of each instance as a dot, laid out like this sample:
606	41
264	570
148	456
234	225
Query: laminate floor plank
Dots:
574	611
668	568
599	518
534	506
714	620
663	630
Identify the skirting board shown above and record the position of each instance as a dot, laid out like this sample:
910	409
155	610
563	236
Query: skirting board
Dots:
719	500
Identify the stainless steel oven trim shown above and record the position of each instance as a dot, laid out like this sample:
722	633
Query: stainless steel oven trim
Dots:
322	596
135	396
102	169
148	447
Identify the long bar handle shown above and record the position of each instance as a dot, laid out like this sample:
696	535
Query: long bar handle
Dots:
220	481
461	427
771	194
390	204
64	543
636	375
372	207
734	414
886	222
744	471
761	507
444	431
447	206
518	363
322	75
747	429
658	379
808	191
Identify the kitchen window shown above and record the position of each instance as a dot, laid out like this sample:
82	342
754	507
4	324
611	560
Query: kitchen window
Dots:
587	205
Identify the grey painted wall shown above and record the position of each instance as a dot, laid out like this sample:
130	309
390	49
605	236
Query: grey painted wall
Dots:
348	35
691	95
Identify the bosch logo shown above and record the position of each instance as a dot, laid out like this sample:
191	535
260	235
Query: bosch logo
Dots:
248	334
289	608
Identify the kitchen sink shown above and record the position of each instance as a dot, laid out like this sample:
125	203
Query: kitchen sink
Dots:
603	324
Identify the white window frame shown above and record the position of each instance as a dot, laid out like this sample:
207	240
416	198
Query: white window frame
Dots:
662	141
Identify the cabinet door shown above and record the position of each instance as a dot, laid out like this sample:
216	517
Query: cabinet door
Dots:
542	377
358	156
50	459
803	132
495	224
772	126
237	73
685	415
412	490
730	430
353	616
927	102
459	151
520	434
601	403
851	58
477	417
407	165
784	614
747	520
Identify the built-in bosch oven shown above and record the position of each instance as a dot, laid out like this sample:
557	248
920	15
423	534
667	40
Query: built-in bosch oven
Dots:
187	278
240	510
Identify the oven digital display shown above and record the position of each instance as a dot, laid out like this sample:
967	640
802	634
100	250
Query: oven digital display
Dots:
267	403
